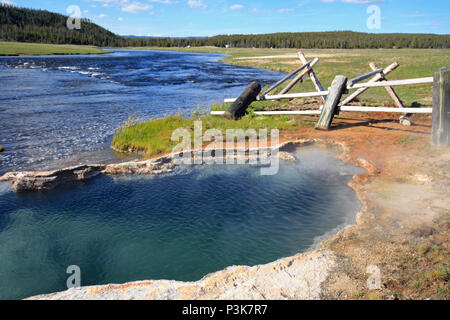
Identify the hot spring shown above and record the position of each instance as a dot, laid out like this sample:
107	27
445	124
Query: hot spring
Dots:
178	226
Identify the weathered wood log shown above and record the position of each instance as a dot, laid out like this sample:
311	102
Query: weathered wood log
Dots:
341	108
364	76
237	109
389	89
312	75
278	83
284	96
378	77
337	89
440	134
299	76
392	83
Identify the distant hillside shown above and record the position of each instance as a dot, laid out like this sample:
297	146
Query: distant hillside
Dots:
28	25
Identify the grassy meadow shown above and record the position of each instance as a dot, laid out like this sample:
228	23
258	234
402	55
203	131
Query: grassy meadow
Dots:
30	49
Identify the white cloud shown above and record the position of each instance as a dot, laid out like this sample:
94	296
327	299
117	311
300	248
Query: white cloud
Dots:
196	4
119	19
361	1
353	1
129	6
256	11
136	7
101	16
285	10
236	7
162	1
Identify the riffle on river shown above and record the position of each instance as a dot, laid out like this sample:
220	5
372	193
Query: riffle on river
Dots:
63	110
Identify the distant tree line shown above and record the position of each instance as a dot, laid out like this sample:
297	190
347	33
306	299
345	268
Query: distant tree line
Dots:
29	25
323	40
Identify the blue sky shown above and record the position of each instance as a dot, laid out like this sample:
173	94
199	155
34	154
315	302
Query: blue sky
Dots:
210	17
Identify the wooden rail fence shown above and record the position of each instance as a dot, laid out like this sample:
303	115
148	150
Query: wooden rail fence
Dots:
332	97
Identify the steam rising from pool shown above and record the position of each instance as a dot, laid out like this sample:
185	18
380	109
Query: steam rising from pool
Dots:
179	226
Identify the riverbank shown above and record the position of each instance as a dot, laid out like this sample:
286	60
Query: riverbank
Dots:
402	228
37	49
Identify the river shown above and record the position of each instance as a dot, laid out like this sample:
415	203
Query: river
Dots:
58	111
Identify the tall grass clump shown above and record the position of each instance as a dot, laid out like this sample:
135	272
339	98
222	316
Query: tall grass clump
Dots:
154	136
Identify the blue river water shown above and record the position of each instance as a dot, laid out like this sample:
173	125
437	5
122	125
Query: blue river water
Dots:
63	110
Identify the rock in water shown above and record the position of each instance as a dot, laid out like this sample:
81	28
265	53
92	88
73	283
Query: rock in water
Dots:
2	148
286	156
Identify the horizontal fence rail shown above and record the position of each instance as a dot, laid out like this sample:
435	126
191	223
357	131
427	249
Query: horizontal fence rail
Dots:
355	86
392	83
342	108
274	113
286	96
386	109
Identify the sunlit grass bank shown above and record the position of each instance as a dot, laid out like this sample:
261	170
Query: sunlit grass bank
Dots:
23	48
154	137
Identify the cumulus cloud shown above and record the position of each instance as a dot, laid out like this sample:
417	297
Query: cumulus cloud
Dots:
127	5
236	7
353	1
256	11
285	10
136	7
162	1
196	4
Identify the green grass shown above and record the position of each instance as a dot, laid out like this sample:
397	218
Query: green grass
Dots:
406	140
414	63
23	48
154	137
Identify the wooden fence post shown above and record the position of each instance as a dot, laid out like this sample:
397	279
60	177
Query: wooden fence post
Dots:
378	77
312	74
299	76
441	108
390	90
338	87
